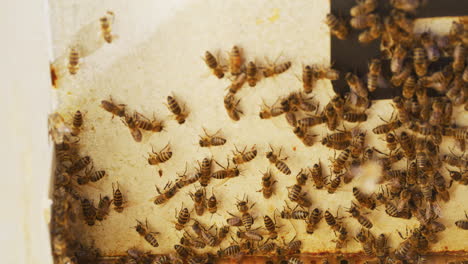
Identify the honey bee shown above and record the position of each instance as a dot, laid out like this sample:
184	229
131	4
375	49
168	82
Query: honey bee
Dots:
212	63
398	78
231	105
302	177
118	199
440	187
114	109
79	165
339	163
375	31
356	85
461	177
363	7
242	205
334	184
270	226
314	218
375	67
455	161
156	158
235	61
267	185
355	117
211	140
406	5
308	79
168	192
326	73
294	193
146	124
402	250
291	118
223	232
385	128
407	145
250	235
103	207
368	155
381	247
199	199
234	221
462	224
338	141
241	157
77	123
391	140
106	28
179	113
459	54
205	172
237	83
251	72
409	87
247	220
89	211
232	250
337	26
292	102
364	21
184	180
73	60
268	112
267	247
212	204
91	175
307	138
226	172
427	40
399	55
73	192
342	237
364	221
420	61
338	104
311	120
402	21
274	69
134	131
358	140
294	260
188	241
183	252
289	213
332	221
182	218
459	133
364	200
437	113
279	163
395	174
317	176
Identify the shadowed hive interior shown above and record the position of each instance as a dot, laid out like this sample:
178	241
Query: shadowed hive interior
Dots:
157	52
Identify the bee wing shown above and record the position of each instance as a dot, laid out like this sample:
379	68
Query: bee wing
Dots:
136	134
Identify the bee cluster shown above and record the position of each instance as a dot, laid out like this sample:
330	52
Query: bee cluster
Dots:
413	136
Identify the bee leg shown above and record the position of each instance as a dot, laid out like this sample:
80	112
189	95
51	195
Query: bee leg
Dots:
231	214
